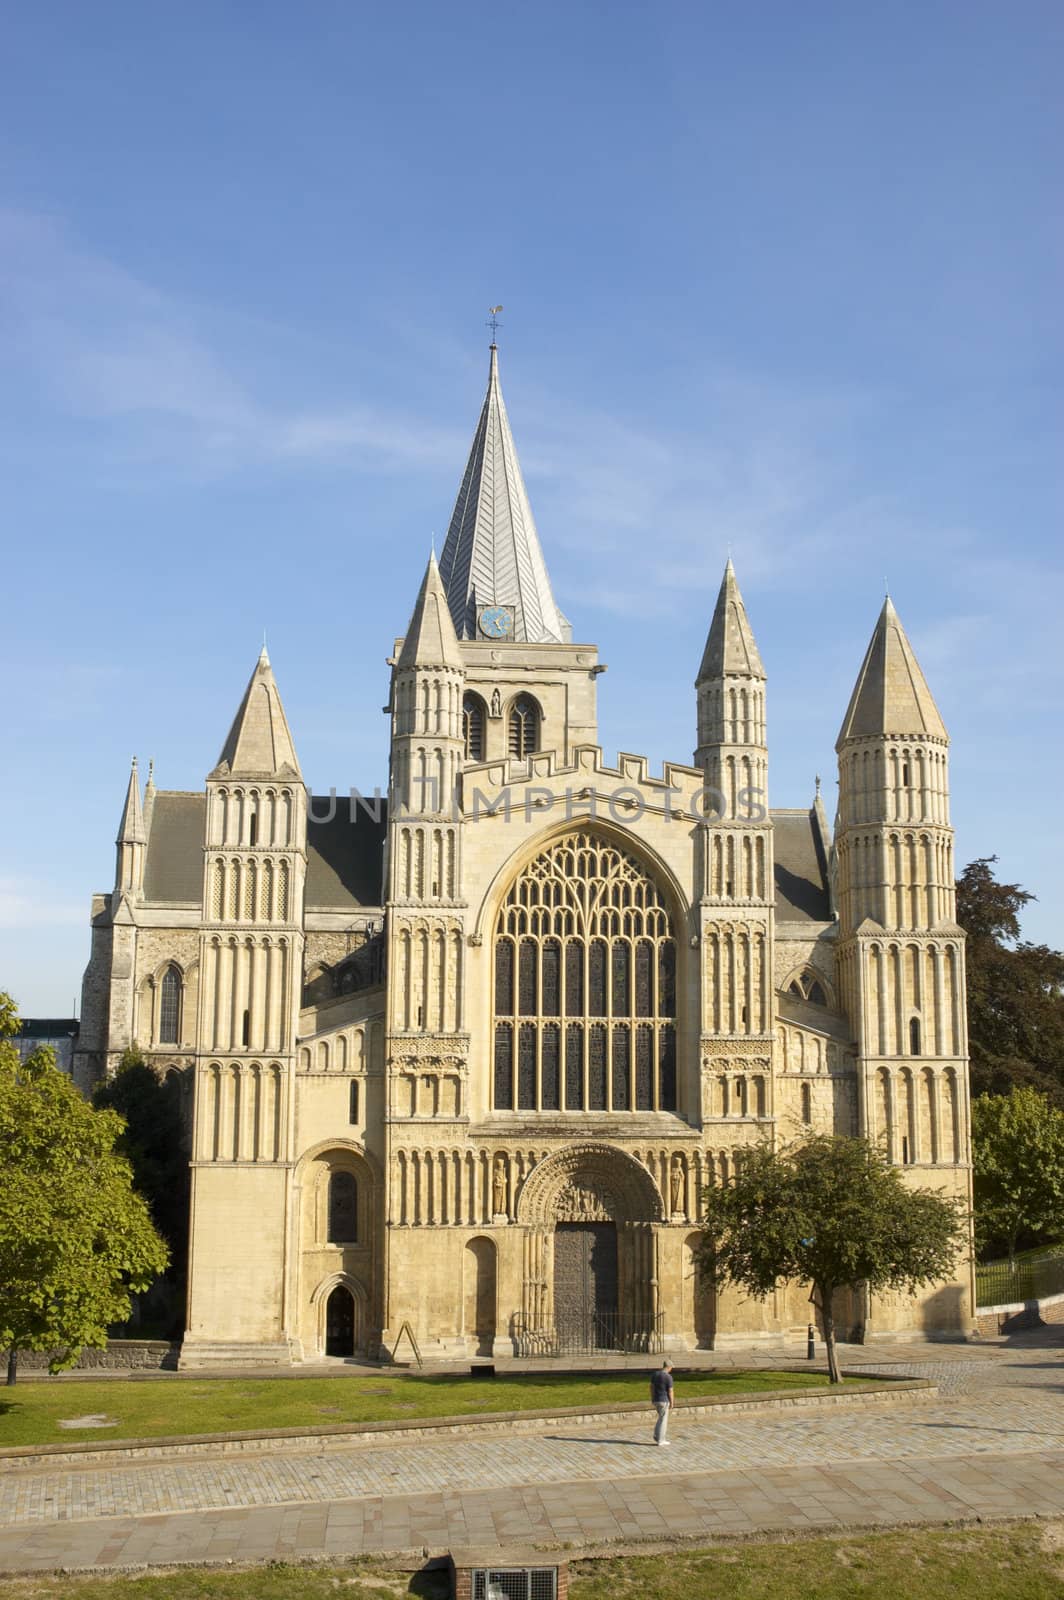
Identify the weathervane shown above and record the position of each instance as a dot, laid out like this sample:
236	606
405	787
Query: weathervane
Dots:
493	320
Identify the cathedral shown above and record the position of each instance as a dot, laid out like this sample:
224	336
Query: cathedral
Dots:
463	1061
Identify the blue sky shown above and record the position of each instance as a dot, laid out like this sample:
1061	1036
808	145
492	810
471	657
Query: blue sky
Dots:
780	277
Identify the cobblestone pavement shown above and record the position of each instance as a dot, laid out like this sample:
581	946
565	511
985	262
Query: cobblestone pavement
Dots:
992	1444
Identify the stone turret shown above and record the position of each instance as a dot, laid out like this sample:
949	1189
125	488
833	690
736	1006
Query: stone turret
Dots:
732	748
901	954
131	841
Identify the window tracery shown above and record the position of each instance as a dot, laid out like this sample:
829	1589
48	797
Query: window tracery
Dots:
585	985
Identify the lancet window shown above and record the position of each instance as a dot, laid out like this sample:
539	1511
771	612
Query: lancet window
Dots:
524	726
170	1006
473	727
585	985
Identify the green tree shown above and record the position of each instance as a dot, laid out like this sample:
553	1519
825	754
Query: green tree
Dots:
154	1142
831	1212
75	1238
1015	990
1017	1169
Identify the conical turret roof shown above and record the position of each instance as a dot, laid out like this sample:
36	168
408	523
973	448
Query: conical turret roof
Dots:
891	694
430	639
259	743
731	650
131	828
492	554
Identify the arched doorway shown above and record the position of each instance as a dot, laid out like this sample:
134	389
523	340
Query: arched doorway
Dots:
590	1273
340	1323
479	1295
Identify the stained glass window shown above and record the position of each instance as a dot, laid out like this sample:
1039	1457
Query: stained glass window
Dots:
596	1068
619	1092
550	1045
526	1067
551	959
504	977
504	1068
170	1006
526	982
574	1067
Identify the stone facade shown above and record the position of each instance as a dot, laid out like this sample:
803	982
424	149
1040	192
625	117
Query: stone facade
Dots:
465	1066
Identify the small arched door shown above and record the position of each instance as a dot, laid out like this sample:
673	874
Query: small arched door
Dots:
340	1323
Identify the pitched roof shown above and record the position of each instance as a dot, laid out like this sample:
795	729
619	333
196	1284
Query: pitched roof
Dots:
173	865
131	827
492	554
430	638
891	693
345	856
259	743
801	868
731	649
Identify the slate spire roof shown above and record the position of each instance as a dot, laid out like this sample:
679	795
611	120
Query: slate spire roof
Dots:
492	554
430	639
731	650
891	693
131	828
259	743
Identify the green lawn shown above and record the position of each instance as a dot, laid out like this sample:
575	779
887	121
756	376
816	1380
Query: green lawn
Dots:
149	1409
1021	1561
1017	1562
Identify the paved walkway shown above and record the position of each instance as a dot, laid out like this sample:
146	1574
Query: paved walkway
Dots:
992	1444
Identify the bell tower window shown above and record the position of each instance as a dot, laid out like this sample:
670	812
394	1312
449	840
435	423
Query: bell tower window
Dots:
473	727
524	726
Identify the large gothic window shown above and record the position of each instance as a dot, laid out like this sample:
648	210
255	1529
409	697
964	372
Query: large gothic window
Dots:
473	727
170	1006
524	726
585	985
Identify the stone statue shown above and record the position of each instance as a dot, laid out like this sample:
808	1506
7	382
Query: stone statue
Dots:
498	1187
677	1185
496	703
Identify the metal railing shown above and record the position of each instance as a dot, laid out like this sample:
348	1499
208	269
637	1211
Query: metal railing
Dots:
1032	1278
629	1332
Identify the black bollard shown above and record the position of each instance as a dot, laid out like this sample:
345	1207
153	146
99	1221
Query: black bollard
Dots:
810	1353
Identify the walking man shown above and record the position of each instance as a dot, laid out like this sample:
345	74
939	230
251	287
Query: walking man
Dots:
661	1395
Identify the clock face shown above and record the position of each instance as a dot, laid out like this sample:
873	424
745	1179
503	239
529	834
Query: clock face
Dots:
496	622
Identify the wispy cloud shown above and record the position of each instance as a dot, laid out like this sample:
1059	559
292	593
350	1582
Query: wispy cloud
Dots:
102	345
26	903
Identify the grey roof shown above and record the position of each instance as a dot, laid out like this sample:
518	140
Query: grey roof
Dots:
891	693
344	856
801	868
731	649
492	554
173	868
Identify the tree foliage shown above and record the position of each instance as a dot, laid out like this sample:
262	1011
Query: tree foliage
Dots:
74	1236
154	1143
1015	990
1018	1169
829	1211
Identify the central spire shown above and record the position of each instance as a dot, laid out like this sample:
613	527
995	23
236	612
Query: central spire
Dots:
492	555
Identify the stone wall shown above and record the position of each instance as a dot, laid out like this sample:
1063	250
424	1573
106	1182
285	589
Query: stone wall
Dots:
118	1355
